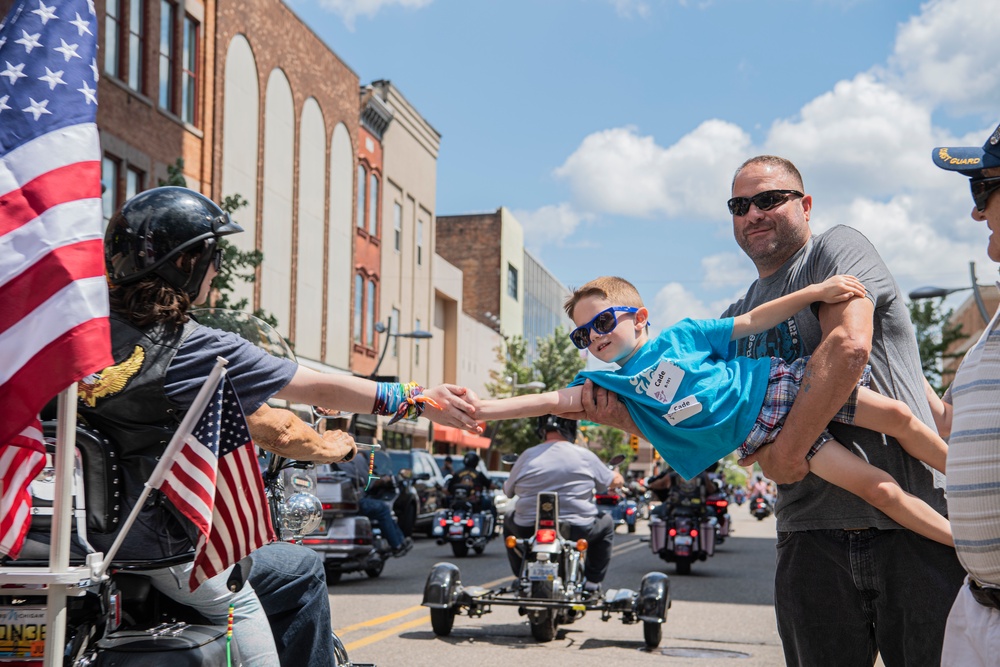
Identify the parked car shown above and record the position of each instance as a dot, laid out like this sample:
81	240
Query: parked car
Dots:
419	474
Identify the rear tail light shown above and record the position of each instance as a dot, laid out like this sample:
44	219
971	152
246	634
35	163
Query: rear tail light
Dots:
673	532
443	522
456	519
630	510
545	536
694	533
469	523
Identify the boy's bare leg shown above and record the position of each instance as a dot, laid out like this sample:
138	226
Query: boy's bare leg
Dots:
835	464
886	415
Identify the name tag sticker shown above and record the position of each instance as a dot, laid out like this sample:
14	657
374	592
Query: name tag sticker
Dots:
664	381
683	409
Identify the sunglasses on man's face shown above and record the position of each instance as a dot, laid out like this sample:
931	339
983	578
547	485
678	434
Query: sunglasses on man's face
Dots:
982	188
765	201
603	323
217	259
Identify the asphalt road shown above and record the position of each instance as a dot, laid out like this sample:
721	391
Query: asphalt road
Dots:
722	611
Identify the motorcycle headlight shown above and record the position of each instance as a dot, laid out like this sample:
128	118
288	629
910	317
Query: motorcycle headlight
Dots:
301	513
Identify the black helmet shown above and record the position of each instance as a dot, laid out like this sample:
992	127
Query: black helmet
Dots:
566	427
470	460
154	227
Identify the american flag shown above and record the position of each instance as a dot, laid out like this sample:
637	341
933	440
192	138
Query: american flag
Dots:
23	457
53	324
215	482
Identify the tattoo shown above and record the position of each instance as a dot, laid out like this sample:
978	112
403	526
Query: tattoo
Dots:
806	384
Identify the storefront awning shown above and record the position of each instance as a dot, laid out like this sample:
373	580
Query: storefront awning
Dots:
457	436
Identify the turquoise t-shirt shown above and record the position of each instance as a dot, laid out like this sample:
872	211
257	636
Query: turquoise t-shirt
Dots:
687	393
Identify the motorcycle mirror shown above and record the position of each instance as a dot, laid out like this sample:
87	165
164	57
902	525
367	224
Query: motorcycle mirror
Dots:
508	459
615	461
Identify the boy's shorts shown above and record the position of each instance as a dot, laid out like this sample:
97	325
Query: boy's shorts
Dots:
783	384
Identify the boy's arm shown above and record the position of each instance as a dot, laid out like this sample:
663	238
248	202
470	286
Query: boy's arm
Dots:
940	408
771	314
557	402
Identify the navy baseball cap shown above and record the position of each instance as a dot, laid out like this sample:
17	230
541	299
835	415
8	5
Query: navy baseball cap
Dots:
970	160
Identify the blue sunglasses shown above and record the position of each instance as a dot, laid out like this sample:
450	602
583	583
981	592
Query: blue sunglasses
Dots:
603	323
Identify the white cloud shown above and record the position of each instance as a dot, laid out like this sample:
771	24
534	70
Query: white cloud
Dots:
349	10
621	172
630	8
548	224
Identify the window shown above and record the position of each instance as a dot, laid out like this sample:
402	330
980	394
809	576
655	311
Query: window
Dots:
373	206
370	315
189	70
512	282
168	12
420	242
112	38
397	225
416	346
133	182
394	328
362	179
109	187
359	306
136	36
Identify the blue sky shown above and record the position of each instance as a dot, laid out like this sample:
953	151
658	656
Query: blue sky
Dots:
612	127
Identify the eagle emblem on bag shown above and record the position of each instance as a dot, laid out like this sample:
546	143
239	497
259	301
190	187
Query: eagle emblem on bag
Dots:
111	380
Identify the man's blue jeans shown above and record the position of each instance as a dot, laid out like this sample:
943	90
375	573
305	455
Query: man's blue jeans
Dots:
381	512
291	585
841	596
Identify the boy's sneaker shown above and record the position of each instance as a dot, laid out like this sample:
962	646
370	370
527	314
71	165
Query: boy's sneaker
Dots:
403	548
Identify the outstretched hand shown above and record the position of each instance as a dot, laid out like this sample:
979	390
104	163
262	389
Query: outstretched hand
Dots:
840	288
454	407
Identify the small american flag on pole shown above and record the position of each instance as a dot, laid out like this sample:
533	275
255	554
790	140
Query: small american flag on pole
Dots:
214	480
22	459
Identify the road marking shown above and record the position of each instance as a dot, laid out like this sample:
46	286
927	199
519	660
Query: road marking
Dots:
389	632
379	620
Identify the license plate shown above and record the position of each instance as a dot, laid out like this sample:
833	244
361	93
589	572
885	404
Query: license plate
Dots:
456	530
22	632
542	571
342	529
683	539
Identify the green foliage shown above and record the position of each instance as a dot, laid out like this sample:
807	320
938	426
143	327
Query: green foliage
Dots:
236	264
934	336
607	442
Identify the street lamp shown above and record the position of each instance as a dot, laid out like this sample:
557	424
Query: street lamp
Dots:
389	333
514	386
935	292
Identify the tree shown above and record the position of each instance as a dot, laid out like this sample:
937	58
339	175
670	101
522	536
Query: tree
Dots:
935	334
557	364
236	264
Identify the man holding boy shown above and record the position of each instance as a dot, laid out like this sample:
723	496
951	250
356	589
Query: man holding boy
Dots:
849	582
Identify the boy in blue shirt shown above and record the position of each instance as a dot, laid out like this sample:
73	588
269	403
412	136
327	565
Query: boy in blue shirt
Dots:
693	398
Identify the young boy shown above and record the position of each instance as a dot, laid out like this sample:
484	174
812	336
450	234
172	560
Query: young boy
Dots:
693	398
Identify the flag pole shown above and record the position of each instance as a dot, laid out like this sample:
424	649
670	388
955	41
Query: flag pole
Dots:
62	508
168	456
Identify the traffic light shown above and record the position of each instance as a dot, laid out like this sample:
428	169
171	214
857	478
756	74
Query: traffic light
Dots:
633	442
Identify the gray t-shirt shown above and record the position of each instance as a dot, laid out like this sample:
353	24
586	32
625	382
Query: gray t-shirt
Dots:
572	471
812	503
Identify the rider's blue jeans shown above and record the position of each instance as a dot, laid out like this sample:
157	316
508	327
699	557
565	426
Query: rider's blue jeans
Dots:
840	596
291	585
381	512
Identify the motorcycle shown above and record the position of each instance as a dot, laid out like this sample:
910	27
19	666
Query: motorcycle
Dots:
623	510
685	534
348	541
718	502
549	589
462	526
116	617
760	507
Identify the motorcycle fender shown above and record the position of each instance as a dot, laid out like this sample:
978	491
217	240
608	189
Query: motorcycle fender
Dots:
442	587
654	598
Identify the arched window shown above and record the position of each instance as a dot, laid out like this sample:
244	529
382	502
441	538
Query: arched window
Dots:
362	181
359	306
373	206
370	316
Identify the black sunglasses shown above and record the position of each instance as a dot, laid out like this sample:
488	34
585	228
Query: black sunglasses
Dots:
982	188
217	259
603	322
765	201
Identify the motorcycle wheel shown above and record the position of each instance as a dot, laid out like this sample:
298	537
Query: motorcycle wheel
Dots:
652	633
442	621
460	549
543	623
375	570
631	528
683	566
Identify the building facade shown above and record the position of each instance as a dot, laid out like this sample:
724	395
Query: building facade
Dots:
544	297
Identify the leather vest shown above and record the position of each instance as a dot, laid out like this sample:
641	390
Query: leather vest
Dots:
127	403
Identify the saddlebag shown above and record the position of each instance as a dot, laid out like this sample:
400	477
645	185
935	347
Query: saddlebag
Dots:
174	644
657	534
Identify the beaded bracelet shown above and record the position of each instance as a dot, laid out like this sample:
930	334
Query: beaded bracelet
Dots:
401	400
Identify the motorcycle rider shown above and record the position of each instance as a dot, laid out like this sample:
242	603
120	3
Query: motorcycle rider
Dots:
374	509
476	484
161	254
674	491
557	464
